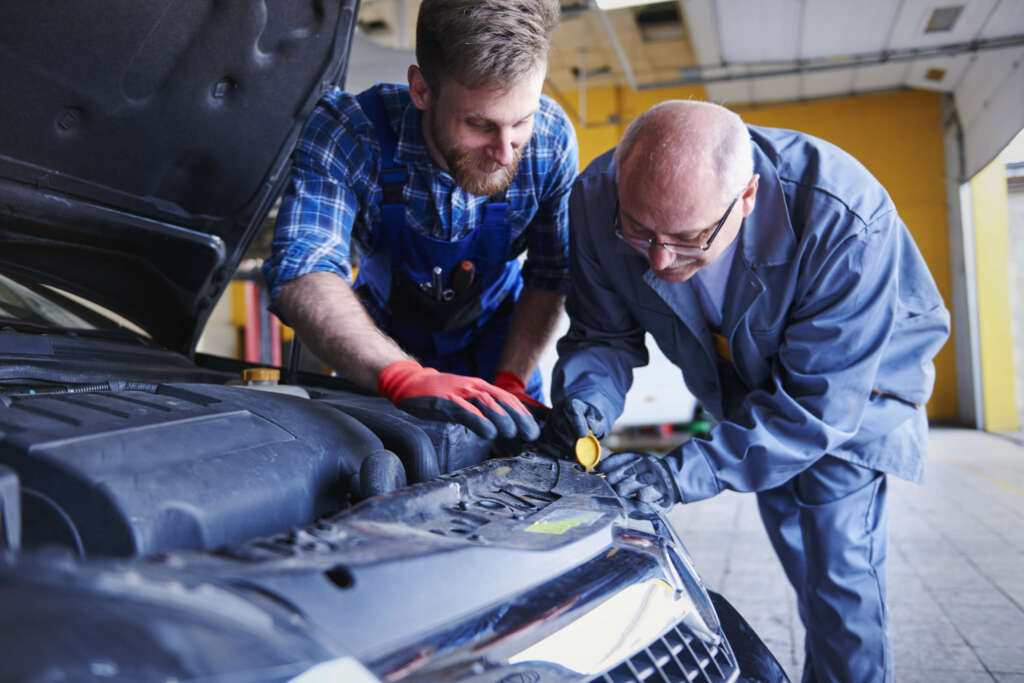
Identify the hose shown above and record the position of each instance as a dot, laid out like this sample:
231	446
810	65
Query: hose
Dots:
114	385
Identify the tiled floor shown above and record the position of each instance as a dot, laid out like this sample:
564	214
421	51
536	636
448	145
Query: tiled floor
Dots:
956	564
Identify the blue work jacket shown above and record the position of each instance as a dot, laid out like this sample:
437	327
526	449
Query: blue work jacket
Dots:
829	326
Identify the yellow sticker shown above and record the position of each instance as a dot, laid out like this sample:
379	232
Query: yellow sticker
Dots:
722	346
558	523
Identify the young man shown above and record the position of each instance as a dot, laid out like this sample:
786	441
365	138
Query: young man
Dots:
440	185
774	271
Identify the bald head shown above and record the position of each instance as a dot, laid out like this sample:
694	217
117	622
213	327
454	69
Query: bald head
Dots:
686	182
682	144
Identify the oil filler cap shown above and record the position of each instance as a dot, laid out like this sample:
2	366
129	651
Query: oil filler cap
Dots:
587	451
261	375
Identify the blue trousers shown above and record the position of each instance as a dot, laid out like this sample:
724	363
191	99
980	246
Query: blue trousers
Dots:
829	528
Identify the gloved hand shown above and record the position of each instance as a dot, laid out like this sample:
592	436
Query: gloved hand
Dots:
569	420
482	407
514	384
641	477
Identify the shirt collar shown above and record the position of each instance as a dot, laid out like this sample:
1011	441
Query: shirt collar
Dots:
412	148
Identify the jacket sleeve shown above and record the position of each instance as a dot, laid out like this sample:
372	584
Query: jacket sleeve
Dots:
604	342
837	334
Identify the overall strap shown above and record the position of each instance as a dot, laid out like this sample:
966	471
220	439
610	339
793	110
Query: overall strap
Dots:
392	177
494	210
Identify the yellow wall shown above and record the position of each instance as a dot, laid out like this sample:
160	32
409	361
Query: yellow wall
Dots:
991	250
896	135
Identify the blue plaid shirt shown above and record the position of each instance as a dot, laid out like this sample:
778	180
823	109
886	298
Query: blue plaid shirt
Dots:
334	195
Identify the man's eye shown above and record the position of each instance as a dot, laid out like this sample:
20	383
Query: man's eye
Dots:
479	125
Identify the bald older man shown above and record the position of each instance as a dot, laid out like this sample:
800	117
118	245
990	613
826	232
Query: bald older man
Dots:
775	272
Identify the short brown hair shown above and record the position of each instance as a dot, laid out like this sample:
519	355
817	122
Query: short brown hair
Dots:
483	43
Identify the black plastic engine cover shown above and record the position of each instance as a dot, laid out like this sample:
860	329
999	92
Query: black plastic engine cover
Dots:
190	466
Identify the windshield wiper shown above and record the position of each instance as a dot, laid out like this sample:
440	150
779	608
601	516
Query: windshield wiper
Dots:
119	334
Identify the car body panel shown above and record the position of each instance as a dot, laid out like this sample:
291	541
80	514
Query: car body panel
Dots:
144	143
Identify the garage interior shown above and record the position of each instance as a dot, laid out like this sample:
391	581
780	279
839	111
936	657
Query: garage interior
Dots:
930	97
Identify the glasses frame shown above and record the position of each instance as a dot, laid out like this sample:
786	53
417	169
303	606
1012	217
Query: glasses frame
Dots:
674	247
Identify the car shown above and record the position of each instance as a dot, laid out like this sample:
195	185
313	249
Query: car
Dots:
168	515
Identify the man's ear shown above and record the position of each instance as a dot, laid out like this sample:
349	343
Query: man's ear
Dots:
749	195
418	88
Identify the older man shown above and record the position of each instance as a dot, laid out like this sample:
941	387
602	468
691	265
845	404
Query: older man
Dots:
775	272
440	185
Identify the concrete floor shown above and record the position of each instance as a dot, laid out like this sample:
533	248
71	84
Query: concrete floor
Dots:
956	564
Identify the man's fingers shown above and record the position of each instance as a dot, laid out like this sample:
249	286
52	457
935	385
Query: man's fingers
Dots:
526	427
614	462
496	414
618	474
628	486
649	494
576	418
459	411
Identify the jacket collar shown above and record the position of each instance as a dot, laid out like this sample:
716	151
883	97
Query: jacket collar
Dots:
767	237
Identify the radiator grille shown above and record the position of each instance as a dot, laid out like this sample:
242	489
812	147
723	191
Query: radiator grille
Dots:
678	655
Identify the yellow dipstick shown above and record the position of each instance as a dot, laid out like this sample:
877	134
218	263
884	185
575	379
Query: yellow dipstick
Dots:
587	451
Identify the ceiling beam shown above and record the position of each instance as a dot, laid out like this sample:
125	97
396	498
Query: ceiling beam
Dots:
719	74
627	68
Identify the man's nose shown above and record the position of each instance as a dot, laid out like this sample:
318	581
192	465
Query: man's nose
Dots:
660	257
503	147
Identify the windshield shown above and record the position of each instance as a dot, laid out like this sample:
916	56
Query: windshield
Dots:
50	307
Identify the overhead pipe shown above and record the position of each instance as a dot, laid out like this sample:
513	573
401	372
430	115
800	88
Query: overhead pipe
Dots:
699	75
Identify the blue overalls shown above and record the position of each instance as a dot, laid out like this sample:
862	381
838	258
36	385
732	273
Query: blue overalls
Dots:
406	278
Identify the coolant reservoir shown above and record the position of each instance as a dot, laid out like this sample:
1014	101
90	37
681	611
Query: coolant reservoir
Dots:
266	379
261	376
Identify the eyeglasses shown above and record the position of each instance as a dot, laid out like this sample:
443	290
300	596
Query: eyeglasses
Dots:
679	248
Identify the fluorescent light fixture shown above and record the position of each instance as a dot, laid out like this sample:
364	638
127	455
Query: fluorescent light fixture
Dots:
943	18
618	4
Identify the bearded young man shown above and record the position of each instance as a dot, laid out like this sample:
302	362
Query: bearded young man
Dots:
440	186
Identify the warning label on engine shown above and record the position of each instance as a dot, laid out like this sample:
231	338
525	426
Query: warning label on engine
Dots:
558	522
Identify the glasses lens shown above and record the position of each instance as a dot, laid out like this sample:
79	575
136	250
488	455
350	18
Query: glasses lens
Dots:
638	243
685	249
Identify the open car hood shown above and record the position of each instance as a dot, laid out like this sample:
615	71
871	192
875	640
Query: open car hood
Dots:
143	143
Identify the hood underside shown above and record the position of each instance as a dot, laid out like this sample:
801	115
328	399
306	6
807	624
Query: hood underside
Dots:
143	143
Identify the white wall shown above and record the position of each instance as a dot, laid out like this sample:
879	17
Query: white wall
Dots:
658	395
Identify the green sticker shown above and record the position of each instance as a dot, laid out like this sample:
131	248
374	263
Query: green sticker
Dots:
557	523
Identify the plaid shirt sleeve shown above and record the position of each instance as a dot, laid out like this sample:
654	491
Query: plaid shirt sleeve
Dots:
547	263
333	165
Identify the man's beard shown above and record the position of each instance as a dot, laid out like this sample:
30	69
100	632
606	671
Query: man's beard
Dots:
472	171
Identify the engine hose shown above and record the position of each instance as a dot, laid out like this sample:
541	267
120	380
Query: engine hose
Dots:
380	472
114	385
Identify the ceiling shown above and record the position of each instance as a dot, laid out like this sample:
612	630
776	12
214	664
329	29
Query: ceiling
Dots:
749	52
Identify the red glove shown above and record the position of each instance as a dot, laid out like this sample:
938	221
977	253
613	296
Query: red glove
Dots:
482	407
515	385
